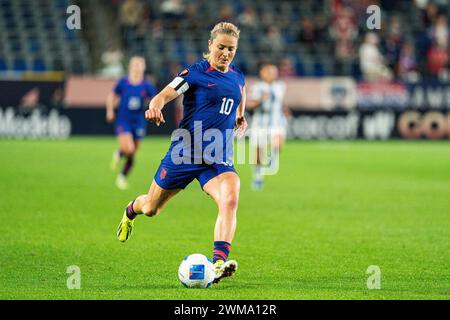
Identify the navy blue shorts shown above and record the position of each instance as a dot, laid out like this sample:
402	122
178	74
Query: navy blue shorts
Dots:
178	176
136	128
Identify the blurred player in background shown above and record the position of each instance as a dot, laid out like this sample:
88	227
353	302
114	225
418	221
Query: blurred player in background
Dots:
214	96
268	126
131	94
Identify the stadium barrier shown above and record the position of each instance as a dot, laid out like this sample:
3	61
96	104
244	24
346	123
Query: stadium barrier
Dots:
325	108
370	125
60	109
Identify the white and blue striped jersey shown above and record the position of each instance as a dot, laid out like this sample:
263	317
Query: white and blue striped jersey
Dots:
269	114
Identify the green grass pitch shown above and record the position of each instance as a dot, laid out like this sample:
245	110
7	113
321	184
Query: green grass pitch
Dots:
334	209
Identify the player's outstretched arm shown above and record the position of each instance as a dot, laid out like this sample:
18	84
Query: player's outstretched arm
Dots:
111	103
158	102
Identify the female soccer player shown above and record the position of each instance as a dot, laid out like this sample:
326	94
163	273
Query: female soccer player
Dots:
214	104
268	124
132	92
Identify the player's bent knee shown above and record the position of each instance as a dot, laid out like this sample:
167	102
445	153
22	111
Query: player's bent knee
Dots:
229	202
125	152
129	152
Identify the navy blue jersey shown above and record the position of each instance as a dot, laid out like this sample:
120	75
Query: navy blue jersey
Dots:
132	98
210	101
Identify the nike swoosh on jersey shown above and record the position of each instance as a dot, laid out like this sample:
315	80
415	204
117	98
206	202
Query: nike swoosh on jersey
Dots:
212	84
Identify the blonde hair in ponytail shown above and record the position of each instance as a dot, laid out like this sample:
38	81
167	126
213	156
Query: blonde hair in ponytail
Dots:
223	28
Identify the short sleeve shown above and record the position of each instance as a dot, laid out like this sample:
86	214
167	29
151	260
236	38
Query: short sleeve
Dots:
183	81
119	87
256	92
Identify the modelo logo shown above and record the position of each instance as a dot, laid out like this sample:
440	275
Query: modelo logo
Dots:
35	125
432	125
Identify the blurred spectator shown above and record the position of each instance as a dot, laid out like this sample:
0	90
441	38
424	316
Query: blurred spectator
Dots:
272	40
172	12
248	18
286	68
190	14
344	32
307	35
421	4
429	15
157	30
439	32
283	23
142	29
227	13
360	12
393	43
372	63
112	62
321	28
266	19
146	17
172	9
129	17
407	64
437	60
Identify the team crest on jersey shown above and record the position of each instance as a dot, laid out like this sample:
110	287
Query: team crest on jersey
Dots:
183	73
163	173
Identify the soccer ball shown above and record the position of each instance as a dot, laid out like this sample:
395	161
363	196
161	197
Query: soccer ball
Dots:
196	271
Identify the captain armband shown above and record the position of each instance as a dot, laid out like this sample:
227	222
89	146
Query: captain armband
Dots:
179	84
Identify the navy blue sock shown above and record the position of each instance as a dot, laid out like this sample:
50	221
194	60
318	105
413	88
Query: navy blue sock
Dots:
130	211
221	250
128	164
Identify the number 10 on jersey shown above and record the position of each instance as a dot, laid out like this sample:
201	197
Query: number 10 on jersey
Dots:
227	106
